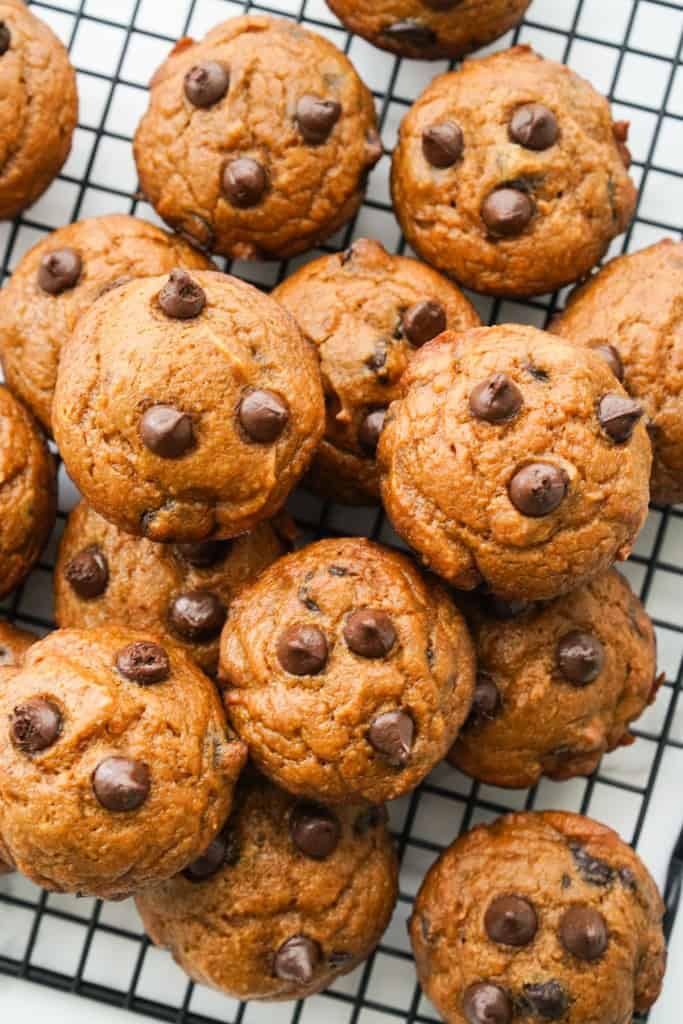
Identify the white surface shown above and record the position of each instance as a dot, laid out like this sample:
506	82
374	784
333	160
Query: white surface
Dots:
97	50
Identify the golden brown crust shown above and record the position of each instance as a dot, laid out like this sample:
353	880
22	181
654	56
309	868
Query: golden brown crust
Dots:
547	859
581	193
446	473
39	106
110	373
310	734
544	724
635	304
52	824
350	307
28	492
225	931
144	578
34	324
181	151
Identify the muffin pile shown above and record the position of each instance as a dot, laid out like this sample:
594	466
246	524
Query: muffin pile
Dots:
222	714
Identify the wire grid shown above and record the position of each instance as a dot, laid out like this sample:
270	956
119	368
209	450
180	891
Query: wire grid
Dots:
631	50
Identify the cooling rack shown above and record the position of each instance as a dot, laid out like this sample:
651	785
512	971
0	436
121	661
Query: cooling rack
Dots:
631	50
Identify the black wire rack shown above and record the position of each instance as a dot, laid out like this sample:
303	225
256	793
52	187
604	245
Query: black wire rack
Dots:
632	50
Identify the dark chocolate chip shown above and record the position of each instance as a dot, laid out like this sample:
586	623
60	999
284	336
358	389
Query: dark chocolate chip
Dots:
197	614
35	725
263	415
411	33
315	831
486	703
507	211
297	959
143	662
443	144
206	83
583	933
59	270
302	650
219	853
88	572
423	321
181	297
591	869
619	416
370	633
316	118
392	735
537	373
485	1003
580	657
534	127
338	570
377	361
538	489
5	38
121	784
511	921
203	554
245	182
547	1000
370	430
613	360
371	817
166	431
496	399
566	882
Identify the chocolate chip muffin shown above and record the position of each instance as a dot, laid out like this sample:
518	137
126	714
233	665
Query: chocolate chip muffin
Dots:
104	575
631	313
60	278
116	765
39	107
558	684
187	407
258	140
430	29
511	176
516	461
366	312
28	492
560	918
290	896
346	673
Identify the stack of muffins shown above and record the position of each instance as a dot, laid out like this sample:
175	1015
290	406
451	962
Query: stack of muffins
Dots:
197	635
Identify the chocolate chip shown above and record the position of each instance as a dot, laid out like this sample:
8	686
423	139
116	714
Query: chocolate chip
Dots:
580	657
377	361
566	882
143	662
302	650
338	570
222	851
591	869
206	83
59	270
613	360
297	959
496	399
486	702
423	321
534	127
316	118
618	416
6	656
244	182
166	431
392	735
371	817
369	633
197	615
370	430
121	784
627	878
583	933
537	373
263	415
511	921
88	572
485	1003
411	33
5	38
443	144
547	1000
538	489
204	553
181	297
35	725
315	831
507	211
